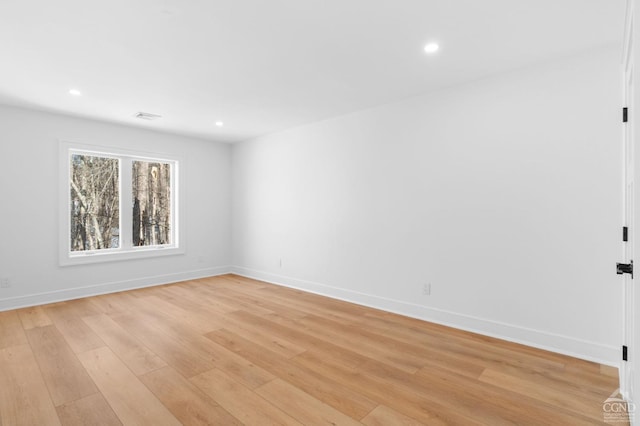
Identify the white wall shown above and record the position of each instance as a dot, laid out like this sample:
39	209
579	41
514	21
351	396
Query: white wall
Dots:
29	209
504	194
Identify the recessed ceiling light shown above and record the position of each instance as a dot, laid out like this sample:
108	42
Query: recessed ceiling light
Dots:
431	47
75	92
219	123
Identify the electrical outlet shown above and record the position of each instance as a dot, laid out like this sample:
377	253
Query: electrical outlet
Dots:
280	263
5	283
200	259
426	289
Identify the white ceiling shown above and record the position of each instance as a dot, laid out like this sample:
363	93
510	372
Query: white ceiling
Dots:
266	65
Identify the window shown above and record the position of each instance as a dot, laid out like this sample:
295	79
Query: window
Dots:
94	202
117	205
151	197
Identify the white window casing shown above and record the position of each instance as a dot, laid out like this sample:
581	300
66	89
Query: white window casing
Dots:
126	249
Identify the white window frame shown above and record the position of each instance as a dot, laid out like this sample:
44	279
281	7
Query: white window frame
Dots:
126	251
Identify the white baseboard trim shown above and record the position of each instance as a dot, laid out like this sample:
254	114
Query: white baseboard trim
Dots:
566	345
104	288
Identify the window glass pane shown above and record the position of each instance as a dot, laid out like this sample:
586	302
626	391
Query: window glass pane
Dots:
94	203
151	183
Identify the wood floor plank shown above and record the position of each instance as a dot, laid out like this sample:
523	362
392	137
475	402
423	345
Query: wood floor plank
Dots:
210	353
174	353
246	282
224	296
77	334
308	380
385	416
584	386
188	403
248	297
111	303
134	354
282	347
24	399
11	331
65	377
547	394
194	298
195	291
196	320
494	356
82	307
390	351
449	395
438	350
239	368
242	403
429	408
33	317
92	410
609	371
133	403
526	357
300	302
302	406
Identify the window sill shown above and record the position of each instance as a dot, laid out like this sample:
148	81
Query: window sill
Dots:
117	256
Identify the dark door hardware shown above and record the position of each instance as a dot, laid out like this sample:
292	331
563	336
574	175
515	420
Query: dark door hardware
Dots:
624	268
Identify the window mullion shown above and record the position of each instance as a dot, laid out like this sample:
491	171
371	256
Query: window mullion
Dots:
126	203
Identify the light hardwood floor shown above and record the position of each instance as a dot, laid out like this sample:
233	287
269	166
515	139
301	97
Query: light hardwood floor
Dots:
229	350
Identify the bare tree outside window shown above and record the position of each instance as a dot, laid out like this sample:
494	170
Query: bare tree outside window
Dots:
151	193
95	203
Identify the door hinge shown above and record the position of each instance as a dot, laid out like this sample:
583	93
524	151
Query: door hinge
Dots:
625	234
625	114
625	268
624	352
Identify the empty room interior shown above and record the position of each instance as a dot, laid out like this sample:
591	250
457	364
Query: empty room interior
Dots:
387	212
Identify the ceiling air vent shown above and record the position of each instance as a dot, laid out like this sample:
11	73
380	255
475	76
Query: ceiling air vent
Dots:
147	116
